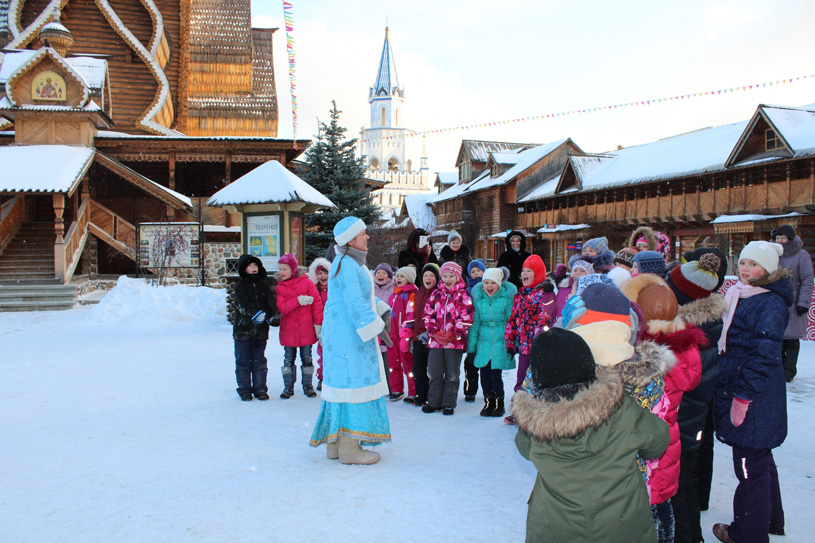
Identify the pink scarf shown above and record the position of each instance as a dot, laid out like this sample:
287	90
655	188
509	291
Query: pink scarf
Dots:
734	294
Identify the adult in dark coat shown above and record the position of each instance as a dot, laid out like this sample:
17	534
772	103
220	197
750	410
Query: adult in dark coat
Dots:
252	295
694	284
415	256
515	255
799	263
455	251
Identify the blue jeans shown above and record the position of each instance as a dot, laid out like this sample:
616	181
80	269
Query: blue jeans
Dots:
306	365
250	366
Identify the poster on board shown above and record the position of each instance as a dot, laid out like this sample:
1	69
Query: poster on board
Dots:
263	239
169	245
297	237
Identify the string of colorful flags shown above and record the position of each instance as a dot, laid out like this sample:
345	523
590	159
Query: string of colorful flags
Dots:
651	102
289	21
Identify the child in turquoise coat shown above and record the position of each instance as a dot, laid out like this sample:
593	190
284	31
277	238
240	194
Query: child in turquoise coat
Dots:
492	299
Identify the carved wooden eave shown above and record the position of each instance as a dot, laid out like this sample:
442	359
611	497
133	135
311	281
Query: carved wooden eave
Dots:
31	65
754	130
169	197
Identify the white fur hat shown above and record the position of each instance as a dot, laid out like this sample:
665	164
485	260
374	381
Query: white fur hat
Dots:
763	252
347	229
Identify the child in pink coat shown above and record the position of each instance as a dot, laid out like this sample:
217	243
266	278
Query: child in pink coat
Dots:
400	359
318	273
301	319
447	318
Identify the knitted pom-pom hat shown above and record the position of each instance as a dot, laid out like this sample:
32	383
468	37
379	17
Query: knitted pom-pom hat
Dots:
494	274
764	253
475	264
605	302
695	280
597	244
451	267
625	256
453	235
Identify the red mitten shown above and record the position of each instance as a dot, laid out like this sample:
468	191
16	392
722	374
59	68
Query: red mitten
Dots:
443	338
738	410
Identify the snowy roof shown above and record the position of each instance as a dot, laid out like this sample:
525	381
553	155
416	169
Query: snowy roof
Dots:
43	168
564	228
447	178
420	212
750	217
526	159
479	151
93	70
547	188
457	190
510	157
269	182
796	125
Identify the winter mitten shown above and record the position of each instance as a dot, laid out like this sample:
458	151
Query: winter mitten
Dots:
274	320
738	410
548	286
259	317
386	339
423	337
305	300
443	338
574	309
318	329
801	310
511	351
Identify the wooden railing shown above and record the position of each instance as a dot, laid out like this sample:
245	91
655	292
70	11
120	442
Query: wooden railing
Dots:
11	216
94	218
74	240
116	231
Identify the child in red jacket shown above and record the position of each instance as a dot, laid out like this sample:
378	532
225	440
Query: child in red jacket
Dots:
400	359
301	318
318	273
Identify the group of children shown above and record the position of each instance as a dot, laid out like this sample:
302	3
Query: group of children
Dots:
606	357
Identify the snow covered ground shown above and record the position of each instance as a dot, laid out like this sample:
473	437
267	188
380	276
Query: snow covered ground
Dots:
120	423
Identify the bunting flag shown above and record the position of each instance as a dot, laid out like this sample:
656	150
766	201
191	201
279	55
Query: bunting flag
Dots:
653	101
288	19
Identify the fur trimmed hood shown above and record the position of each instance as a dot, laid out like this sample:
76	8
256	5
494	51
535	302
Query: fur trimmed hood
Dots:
546	420
704	310
793	246
650	361
318	263
648	233
682	338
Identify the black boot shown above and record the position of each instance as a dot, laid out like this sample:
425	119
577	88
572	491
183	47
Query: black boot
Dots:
307	372
489	406
289	378
498	410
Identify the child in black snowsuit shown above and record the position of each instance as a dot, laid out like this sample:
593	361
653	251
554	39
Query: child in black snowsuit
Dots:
255	309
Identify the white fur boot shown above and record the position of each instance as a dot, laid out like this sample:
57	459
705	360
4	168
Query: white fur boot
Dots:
351	453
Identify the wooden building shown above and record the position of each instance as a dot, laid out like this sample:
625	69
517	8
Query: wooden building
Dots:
113	115
764	166
492	175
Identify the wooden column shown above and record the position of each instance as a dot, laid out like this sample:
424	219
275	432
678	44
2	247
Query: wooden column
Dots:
228	167
766	189
59	242
172	170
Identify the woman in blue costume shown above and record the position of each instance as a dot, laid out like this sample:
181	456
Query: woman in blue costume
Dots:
354	381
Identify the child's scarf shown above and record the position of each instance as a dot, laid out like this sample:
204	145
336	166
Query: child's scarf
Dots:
734	294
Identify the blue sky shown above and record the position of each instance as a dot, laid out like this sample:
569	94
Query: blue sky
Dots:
465	62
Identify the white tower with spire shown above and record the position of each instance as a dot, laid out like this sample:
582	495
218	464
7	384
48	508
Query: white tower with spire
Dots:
387	146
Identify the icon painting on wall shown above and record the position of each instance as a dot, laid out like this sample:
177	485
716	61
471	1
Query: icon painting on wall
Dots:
48	86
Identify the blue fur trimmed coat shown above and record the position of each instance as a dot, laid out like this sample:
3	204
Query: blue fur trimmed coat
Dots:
751	368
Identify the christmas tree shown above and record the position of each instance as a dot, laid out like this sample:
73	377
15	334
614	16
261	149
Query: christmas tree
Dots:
331	167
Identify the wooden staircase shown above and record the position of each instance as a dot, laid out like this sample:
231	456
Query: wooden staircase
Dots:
28	258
